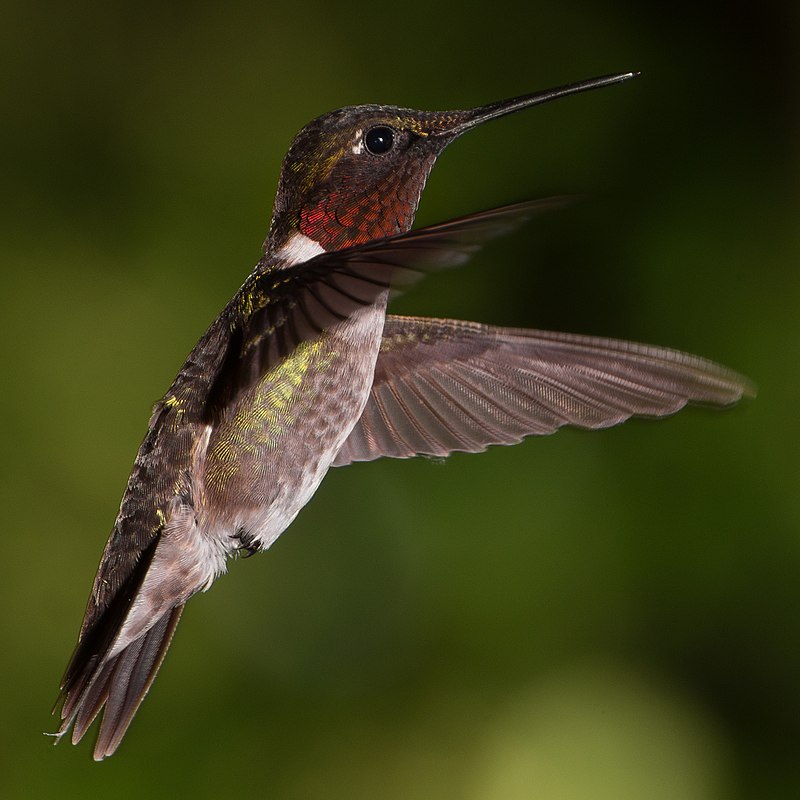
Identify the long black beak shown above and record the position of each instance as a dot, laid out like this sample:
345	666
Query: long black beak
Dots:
476	116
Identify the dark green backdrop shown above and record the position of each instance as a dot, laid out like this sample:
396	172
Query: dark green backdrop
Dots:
609	615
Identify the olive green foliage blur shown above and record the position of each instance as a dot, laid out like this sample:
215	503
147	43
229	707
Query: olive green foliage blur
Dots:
605	615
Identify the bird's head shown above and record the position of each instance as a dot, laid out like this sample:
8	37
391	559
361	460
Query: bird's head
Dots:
356	174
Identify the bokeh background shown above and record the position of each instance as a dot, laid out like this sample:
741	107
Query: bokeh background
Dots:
606	615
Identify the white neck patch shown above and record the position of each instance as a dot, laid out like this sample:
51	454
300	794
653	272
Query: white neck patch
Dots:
298	248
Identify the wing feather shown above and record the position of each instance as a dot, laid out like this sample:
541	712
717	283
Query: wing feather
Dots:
280	307
442	386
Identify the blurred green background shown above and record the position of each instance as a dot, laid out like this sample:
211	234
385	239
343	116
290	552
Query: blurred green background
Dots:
606	615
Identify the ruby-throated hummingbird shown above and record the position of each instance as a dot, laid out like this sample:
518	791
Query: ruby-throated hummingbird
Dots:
304	370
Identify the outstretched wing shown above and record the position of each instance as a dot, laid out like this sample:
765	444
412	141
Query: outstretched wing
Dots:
442	386
279	308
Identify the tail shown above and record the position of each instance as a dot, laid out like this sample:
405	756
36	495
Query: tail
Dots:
119	683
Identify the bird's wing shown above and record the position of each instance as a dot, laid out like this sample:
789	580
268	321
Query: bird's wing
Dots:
442	386
278	309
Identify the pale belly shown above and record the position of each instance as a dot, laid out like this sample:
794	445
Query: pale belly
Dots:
267	456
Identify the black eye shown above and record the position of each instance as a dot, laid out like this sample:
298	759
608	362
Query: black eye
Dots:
379	140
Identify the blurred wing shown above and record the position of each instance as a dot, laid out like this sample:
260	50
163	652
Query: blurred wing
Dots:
278	309
442	386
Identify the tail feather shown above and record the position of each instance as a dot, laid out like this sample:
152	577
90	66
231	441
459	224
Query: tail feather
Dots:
119	683
88	703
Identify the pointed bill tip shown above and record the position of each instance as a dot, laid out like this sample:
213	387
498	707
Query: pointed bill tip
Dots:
465	120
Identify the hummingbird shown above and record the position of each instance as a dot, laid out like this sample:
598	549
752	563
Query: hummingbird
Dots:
304	370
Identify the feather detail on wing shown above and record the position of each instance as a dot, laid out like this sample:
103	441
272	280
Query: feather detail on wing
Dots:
280	307
443	386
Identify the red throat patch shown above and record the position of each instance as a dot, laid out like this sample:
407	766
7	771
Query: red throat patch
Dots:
343	219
